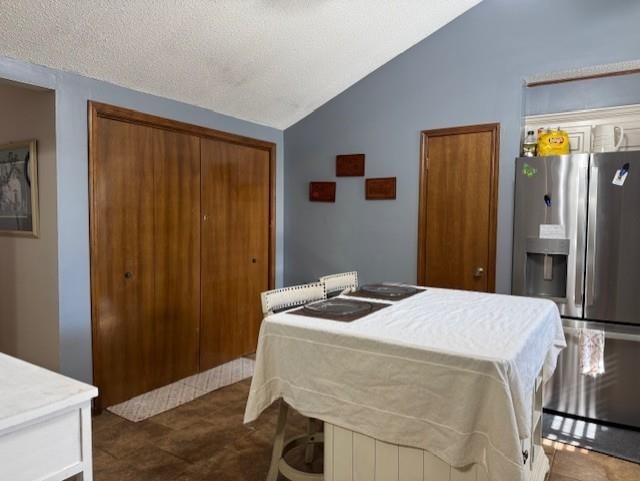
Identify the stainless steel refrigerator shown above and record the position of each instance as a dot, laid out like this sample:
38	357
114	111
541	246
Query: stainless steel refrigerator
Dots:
577	242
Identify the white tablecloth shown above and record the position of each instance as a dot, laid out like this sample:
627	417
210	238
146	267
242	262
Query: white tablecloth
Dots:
447	371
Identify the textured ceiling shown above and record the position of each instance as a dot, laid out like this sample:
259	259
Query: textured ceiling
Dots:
268	61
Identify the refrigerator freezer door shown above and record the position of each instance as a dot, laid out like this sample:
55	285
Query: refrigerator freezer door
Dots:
613	395
550	229
613	239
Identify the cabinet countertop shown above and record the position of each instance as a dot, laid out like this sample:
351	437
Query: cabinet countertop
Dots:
28	392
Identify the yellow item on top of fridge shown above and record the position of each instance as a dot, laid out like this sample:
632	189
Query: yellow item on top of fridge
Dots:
553	142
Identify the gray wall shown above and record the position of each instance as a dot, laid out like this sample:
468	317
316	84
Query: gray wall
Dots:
28	266
469	72
583	94
72	93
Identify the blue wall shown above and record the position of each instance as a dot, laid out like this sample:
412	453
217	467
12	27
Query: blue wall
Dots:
469	72
583	94
72	93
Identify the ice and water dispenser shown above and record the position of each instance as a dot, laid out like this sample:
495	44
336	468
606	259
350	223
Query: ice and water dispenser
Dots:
546	267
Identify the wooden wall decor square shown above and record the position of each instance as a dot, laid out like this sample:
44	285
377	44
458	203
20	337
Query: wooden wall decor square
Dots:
350	165
322	191
381	188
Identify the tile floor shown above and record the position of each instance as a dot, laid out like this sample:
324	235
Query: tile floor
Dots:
206	440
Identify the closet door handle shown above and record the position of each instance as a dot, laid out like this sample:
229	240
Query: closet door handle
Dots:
254	260
128	275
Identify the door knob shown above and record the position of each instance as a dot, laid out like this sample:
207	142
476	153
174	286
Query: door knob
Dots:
254	260
128	275
479	272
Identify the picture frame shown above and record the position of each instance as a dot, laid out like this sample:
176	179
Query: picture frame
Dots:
350	165
19	212
381	188
322	191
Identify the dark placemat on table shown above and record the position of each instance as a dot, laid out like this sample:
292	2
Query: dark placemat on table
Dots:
344	310
386	292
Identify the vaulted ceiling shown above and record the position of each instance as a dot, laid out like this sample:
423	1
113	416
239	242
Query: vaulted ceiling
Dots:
268	61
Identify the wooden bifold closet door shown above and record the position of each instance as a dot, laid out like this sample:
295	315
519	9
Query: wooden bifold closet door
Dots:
145	258
181	247
235	249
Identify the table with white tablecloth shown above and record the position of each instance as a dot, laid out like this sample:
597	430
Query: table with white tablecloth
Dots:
450	372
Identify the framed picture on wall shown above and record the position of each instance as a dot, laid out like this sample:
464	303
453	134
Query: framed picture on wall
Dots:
382	188
350	165
19	189
322	191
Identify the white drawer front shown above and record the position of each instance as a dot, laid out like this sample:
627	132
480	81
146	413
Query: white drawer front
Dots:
40	450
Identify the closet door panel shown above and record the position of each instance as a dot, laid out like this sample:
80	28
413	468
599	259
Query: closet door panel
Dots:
177	254
255	204
145	258
235	248
123	258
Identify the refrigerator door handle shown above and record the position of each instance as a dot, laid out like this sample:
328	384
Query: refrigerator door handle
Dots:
581	234
621	336
609	333
591	237
578	300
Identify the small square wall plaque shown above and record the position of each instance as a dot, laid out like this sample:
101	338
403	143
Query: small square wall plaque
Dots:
382	188
350	165
322	191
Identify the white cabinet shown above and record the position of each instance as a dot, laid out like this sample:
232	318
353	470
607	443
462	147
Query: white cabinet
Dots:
45	424
579	125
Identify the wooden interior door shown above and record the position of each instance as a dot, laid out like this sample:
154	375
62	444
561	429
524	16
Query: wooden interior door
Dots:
145	257
235	248
458	201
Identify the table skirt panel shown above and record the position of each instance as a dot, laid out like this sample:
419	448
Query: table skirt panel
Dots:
350	456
